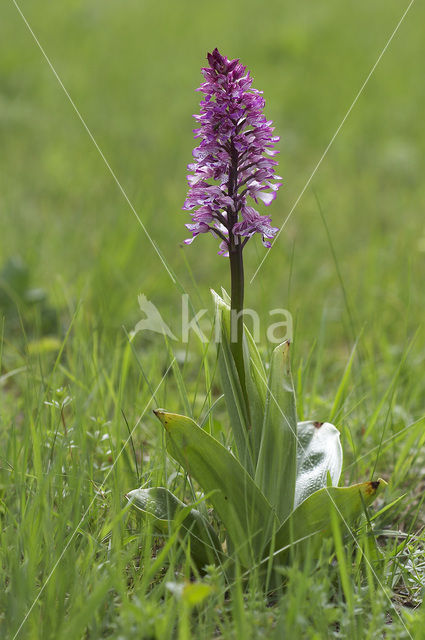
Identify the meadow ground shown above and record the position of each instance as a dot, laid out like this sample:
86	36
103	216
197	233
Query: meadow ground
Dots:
349	265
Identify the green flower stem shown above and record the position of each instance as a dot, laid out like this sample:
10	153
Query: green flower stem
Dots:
236	310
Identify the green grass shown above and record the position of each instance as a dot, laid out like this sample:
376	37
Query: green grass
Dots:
349	265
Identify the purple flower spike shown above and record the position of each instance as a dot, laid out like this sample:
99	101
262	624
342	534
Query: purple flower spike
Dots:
234	159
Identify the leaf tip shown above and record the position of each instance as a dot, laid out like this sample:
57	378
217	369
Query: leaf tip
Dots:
161	414
283	348
373	485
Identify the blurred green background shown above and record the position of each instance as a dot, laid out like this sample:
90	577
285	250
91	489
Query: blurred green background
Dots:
132	68
350	269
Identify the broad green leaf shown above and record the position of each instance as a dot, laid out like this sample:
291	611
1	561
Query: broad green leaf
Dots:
313	516
222	309
256	408
277	461
233	394
319	452
235	403
246	414
257	367
256	386
224	295
258	371
242	507
254	354
167	511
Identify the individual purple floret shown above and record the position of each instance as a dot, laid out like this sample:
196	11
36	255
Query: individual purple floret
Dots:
234	160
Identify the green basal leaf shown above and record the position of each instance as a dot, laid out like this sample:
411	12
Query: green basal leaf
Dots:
319	452
224	295
256	365
257	369
256	418
243	509
246	414
222	308
235	403
313	517
232	389
256	385
167	511
277	461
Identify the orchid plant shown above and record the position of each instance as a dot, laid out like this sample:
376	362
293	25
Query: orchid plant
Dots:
277	485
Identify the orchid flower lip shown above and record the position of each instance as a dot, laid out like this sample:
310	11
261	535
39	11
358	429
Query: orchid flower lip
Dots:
236	150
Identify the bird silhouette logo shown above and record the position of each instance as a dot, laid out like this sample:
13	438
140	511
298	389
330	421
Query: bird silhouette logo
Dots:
153	320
